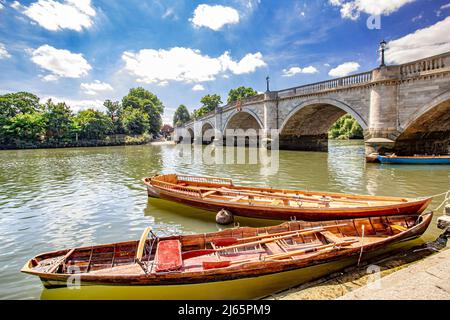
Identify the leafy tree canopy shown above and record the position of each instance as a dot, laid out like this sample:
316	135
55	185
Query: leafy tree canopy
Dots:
93	124
58	119
26	126
135	121
12	104
210	102
346	128
113	109
181	116
142	99
240	93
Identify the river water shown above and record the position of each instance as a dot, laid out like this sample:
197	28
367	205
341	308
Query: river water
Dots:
58	198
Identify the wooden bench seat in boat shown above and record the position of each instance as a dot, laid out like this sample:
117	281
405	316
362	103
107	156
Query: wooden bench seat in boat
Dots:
168	256
330	237
274	248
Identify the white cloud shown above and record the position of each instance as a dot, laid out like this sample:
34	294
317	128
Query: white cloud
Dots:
351	9
49	78
185	64
61	63
163	83
4	54
247	64
95	87
214	17
16	5
53	15
297	70
198	87
170	14
1	6
310	70
76	104
445	6
420	44
291	71
344	69
417	18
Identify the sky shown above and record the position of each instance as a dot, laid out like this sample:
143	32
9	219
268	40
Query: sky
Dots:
85	51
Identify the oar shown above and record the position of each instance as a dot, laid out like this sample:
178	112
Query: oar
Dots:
203	252
228	241
307	250
291	197
222	264
226	263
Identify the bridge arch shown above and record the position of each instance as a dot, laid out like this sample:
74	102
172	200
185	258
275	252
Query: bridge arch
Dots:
190	134
246	127
427	131
207	132
306	126
244	119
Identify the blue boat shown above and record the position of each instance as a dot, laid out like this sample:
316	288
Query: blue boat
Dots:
415	159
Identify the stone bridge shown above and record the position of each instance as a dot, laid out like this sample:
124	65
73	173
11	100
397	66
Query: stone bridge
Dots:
402	108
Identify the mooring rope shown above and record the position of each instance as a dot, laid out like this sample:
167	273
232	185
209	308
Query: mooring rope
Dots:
446	199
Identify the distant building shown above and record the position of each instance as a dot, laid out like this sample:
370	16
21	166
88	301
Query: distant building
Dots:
166	131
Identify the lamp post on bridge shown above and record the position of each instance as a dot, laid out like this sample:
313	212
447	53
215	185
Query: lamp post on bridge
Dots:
383	45
267	84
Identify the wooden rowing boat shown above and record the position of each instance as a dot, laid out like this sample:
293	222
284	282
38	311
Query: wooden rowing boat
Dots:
394	159
214	194
228	255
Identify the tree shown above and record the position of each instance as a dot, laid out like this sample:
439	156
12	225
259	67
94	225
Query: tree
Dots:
240	93
28	127
210	102
139	98
93	124
135	121
346	128
58	120
181	115
12	104
114	110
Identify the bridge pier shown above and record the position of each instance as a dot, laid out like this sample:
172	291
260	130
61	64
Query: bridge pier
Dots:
304	143
427	143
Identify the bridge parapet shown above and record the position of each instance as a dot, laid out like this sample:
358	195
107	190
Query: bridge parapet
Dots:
425	66
356	79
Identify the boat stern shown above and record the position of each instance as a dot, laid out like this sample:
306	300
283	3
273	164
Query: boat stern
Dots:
152	192
28	266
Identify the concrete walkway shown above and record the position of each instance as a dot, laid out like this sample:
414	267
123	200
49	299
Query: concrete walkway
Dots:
428	279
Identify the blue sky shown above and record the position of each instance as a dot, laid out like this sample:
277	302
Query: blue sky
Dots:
84	52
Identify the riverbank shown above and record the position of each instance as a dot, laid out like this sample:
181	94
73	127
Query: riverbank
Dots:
407	275
108	141
428	279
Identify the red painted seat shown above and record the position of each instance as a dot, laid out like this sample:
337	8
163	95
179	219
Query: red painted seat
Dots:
168	256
